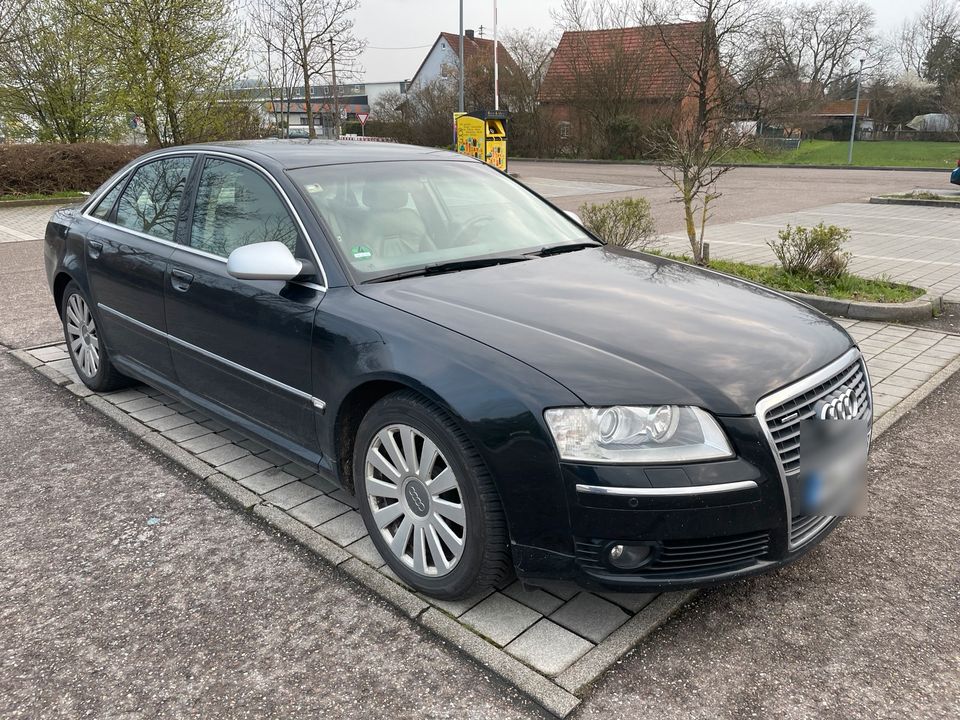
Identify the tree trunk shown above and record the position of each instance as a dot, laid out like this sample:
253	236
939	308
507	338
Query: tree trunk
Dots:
690	221
311	132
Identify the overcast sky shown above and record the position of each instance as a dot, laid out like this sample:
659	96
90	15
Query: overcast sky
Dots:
414	23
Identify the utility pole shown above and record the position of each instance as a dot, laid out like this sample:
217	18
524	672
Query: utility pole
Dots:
336	103
856	111
496	67
460	104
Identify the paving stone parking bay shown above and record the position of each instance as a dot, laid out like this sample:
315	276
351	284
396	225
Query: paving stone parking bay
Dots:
916	245
553	641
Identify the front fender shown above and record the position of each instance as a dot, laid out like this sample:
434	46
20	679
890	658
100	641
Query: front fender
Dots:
497	400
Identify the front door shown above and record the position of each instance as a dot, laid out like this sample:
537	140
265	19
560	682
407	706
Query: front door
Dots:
128	246
243	344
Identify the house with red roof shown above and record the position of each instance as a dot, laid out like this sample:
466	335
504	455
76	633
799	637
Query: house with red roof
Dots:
599	77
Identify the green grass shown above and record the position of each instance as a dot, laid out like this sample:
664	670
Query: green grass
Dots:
42	196
882	153
846	287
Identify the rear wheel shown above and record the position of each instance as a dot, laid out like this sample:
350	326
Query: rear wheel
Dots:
427	500
84	343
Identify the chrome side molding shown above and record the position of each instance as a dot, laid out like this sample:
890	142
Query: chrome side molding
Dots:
679	491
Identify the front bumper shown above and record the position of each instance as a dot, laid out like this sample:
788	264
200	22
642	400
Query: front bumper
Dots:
701	524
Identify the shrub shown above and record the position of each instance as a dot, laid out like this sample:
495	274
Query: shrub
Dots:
813	251
47	168
625	223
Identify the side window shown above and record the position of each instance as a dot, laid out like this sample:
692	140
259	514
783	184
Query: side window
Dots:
151	201
236	206
107	202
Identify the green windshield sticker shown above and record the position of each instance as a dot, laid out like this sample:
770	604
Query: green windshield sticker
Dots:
361	252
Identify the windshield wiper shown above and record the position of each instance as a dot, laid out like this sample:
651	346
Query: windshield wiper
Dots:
472	263
452	266
564	248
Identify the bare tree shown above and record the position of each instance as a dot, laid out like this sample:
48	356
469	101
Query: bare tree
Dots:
313	34
695	148
820	44
274	61
920	35
530	127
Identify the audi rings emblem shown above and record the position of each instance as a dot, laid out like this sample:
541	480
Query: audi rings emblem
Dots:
842	405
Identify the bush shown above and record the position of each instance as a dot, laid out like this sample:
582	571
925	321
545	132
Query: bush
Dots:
625	223
47	168
813	251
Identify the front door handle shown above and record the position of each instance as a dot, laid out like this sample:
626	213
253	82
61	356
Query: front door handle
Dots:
180	280
94	247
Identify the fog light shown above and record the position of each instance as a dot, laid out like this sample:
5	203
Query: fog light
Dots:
628	557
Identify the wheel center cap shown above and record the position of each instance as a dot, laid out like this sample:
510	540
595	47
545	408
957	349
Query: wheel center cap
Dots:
417	497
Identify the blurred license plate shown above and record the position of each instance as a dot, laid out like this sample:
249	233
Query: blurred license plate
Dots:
833	460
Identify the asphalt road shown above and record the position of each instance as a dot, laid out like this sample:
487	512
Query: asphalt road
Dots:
746	192
125	591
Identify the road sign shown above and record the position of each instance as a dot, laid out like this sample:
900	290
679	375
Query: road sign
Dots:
362	117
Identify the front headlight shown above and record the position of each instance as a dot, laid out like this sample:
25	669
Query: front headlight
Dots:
643	434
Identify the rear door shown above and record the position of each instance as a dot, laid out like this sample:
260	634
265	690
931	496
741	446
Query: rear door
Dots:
127	251
243	344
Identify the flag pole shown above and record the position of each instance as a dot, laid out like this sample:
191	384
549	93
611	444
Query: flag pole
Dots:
496	67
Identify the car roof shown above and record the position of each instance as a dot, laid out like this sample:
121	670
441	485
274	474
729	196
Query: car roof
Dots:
295	153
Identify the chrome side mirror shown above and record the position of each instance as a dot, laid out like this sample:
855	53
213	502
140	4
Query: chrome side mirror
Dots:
573	216
264	261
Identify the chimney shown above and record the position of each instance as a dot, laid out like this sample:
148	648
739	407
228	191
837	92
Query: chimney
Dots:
468	34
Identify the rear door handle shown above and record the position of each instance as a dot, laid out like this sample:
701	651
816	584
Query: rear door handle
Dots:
180	280
94	247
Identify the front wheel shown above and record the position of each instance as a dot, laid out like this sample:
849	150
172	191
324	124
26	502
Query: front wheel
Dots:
427	499
85	343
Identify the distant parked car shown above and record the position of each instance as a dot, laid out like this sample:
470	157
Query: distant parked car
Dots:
500	389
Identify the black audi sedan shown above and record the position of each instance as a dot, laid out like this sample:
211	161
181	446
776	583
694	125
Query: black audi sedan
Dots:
502	392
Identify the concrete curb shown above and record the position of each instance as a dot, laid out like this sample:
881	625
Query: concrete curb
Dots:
37	202
917	201
914	398
584	671
923	308
552	698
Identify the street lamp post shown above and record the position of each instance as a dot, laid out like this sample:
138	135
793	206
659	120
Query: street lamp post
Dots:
856	111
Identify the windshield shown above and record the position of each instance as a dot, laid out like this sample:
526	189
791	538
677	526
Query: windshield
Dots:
393	217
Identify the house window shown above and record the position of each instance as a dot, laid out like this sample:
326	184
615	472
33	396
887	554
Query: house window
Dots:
564	130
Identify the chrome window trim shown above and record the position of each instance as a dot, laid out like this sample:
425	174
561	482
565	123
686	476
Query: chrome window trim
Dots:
679	491
316	402
200	154
765	404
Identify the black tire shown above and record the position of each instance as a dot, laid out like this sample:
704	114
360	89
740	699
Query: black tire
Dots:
486	559
106	377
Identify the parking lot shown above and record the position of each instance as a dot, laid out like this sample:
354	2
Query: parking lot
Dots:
118	623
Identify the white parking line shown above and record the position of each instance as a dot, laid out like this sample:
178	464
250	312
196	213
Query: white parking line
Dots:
16	235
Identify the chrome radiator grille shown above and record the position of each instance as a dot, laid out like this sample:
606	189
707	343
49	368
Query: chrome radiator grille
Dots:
782	412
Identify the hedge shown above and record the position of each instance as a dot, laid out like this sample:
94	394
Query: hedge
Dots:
47	168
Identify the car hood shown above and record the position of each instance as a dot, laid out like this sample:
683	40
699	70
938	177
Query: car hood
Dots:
615	326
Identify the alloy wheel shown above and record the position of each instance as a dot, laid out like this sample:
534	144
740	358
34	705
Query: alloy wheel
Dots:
82	336
415	500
